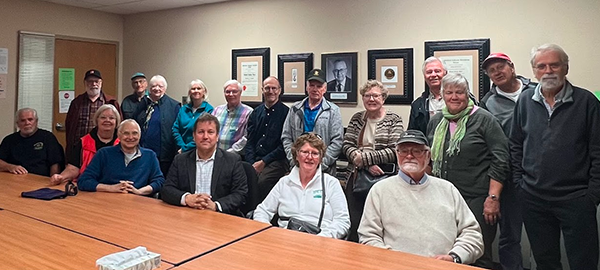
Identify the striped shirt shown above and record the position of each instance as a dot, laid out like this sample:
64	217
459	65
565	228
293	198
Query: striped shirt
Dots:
233	125
204	170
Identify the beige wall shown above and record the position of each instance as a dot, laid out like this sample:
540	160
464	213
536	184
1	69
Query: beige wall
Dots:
196	42
36	16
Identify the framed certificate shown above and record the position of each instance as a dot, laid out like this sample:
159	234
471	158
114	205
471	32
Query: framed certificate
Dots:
250	67
464	57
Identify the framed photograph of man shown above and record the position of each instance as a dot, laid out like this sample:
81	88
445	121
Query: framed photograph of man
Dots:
341	74
393	68
464	57
250	67
291	72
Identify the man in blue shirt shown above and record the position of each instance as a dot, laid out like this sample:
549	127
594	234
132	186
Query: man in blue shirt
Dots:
318	115
264	149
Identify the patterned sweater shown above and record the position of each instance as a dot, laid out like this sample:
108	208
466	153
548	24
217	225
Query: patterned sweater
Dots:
387	134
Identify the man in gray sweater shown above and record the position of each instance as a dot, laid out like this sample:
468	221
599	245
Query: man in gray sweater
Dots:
419	213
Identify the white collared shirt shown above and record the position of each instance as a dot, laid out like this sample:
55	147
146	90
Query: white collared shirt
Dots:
204	171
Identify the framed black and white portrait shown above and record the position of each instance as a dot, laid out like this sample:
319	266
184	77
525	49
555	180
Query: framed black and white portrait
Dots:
341	74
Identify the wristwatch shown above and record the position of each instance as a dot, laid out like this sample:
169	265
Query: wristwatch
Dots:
494	197
455	257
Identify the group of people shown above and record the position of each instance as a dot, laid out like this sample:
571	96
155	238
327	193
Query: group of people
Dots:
525	153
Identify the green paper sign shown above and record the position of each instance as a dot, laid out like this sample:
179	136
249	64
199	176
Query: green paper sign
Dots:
597	94
66	79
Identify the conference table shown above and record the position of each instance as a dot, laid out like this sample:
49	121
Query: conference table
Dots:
128	220
74	232
27	243
277	248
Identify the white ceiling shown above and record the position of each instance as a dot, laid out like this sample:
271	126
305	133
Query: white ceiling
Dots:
132	6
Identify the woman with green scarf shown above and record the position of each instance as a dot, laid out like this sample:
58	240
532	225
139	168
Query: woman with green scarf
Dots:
470	150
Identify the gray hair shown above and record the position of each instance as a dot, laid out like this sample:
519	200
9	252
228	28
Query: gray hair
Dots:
129	121
202	85
104	108
159	78
22	110
374	83
564	58
230	82
456	80
432	59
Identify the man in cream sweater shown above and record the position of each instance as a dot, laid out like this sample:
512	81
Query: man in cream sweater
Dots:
417	213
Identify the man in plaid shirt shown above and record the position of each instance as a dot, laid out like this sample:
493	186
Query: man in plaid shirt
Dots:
233	118
79	117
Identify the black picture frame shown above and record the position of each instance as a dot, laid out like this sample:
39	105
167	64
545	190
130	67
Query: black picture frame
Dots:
263	55
349	95
293	89
401	90
482	46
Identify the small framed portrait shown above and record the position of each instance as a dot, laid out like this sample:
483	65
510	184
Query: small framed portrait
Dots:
250	67
341	74
393	68
291	72
464	57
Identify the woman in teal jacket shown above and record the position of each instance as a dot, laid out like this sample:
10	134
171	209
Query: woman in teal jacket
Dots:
183	128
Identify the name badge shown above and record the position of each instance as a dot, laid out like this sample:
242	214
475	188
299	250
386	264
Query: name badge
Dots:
317	194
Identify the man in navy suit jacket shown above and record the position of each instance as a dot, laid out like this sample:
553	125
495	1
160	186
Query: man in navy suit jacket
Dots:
208	178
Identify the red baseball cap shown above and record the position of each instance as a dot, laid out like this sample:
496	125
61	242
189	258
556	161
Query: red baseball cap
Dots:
494	56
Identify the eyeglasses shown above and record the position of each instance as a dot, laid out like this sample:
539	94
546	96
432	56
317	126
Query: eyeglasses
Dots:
303	153
231	92
374	96
498	67
270	88
157	86
340	70
196	88
104	118
71	189
402	152
553	66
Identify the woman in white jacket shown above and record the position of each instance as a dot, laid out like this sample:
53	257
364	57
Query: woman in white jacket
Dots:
299	194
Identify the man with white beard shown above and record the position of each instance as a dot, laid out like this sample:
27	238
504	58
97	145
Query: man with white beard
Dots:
418	213
79	120
555	157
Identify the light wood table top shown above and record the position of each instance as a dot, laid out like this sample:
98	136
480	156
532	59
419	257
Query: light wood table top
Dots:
277	248
128	221
27	243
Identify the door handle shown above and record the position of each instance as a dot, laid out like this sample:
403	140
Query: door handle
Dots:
59	127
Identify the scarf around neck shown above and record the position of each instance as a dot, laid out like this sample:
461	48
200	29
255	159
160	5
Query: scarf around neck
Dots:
439	136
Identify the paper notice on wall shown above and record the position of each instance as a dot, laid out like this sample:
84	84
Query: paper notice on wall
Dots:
64	100
250	79
3	83
66	79
3	61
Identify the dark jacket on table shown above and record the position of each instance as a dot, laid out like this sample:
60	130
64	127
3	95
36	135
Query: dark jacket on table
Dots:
169	108
557	157
503	107
228	186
